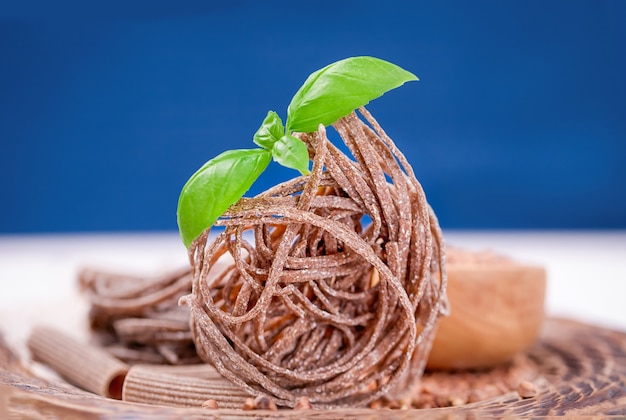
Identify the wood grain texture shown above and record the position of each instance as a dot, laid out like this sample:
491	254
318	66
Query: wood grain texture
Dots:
582	371
497	310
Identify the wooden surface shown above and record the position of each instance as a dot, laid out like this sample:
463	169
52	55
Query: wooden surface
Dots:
582	372
583	363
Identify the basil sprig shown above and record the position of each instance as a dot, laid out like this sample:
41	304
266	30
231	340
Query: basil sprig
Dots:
326	96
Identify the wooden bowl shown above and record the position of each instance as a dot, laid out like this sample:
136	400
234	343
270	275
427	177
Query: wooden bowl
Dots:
496	312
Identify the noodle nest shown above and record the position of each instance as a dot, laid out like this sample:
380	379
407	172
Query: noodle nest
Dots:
334	281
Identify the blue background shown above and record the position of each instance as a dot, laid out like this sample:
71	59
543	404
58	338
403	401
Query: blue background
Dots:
518	121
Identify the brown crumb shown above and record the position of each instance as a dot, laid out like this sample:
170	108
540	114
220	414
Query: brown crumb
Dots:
376	404
425	401
405	404
263	402
248	404
442	401
460	387
455	401
526	389
303	403
210	404
474	396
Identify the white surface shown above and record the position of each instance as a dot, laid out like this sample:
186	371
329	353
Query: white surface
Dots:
586	271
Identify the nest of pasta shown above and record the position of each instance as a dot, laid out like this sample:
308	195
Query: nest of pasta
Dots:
336	279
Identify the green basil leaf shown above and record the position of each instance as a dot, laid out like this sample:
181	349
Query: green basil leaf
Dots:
291	152
217	185
339	88
270	131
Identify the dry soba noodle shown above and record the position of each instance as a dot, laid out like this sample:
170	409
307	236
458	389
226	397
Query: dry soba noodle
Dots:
336	282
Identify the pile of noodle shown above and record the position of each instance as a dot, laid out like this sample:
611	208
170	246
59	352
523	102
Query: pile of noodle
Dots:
335	279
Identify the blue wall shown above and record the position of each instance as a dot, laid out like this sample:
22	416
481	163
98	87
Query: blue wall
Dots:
519	120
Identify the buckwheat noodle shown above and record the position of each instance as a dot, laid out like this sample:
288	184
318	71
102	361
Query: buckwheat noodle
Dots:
336	282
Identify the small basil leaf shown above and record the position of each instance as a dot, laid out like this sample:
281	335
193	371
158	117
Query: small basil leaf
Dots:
291	152
341	87
270	131
217	185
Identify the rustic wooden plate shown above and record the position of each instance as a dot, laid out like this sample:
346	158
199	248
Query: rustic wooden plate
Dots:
581	371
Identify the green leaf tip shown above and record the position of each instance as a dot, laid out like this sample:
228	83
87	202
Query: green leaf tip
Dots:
291	152
218	184
270	132
341	87
287	150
